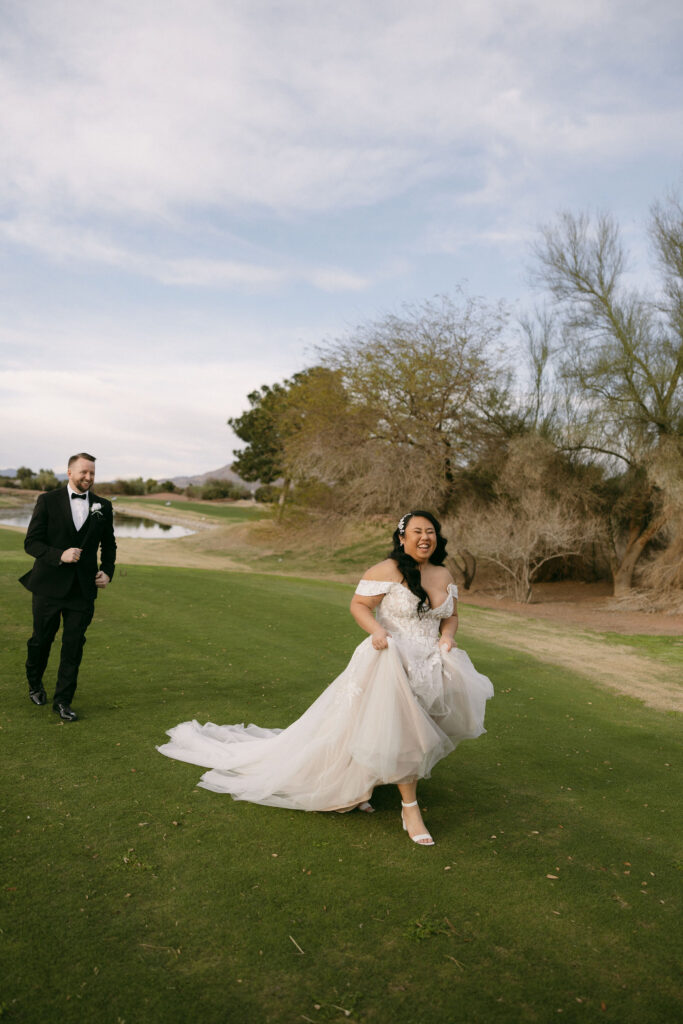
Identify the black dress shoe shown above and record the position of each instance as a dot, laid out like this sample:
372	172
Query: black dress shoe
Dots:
38	697
65	712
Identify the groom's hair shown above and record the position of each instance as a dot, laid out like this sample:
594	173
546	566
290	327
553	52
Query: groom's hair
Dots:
81	455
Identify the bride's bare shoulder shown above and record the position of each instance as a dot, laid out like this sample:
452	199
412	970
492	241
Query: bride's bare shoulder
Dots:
386	571
440	575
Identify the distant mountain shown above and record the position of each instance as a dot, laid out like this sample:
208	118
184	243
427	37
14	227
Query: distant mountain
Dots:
224	473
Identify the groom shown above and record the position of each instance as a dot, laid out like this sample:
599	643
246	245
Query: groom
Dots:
67	528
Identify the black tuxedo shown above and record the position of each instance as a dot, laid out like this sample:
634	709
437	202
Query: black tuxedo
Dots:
64	590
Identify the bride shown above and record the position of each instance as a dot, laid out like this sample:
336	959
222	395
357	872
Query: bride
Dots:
404	701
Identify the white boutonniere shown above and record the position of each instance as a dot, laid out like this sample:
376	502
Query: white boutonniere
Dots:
96	509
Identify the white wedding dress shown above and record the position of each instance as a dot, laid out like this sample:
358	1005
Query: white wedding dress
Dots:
389	717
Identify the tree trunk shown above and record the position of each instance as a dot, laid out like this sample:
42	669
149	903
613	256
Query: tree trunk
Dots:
623	569
466	563
283	498
522	583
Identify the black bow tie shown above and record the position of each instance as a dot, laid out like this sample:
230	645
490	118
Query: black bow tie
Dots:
82	496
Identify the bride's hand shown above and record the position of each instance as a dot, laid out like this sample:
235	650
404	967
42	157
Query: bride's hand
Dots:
380	639
447	644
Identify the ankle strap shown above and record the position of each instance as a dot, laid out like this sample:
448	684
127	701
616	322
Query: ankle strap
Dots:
414	804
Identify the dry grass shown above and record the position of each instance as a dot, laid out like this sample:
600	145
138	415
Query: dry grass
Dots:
615	666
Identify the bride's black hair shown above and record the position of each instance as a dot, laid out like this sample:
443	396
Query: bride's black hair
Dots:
408	566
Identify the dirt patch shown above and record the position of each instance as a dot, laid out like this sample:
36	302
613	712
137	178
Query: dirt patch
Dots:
212	547
613	665
183	555
588	605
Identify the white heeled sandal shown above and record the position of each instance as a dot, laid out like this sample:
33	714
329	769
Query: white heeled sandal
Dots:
423	835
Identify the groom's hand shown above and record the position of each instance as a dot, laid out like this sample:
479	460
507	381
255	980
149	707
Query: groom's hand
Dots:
71	554
101	579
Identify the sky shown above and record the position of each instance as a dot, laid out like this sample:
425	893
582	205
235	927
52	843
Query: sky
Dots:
196	193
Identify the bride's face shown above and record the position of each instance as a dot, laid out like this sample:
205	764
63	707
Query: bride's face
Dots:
419	540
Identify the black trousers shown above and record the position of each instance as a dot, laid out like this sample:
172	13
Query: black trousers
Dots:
75	616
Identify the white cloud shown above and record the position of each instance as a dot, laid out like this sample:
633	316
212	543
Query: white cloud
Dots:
143	107
302	164
158	419
74	244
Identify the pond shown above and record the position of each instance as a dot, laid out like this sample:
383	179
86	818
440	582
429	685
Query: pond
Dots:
124	525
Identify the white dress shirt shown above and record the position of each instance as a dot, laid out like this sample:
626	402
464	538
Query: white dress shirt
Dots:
79	507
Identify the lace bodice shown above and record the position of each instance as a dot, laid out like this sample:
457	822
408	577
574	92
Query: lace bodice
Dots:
397	612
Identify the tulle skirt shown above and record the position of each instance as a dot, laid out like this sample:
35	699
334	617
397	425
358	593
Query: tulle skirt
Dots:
389	717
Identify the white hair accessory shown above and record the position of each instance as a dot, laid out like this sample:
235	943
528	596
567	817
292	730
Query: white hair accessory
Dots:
402	523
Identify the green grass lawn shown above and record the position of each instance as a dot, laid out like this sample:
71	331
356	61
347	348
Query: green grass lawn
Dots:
129	895
666	649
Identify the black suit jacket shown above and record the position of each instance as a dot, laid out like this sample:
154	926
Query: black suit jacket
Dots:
51	531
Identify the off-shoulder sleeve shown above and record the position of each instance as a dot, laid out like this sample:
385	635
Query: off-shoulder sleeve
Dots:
453	591
372	588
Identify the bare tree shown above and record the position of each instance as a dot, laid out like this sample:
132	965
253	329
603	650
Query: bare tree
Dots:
623	359
521	538
424	392
664	569
539	514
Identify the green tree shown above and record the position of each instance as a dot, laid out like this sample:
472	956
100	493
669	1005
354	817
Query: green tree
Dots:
133	486
277	413
262	458
215	490
45	480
